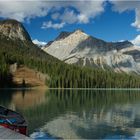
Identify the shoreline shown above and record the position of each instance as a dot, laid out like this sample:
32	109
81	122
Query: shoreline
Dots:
25	88
47	88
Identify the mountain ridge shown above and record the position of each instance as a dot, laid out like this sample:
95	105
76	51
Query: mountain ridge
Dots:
15	51
82	49
21	51
14	30
64	34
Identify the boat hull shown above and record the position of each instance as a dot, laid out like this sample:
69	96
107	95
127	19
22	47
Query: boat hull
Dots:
13	120
19	129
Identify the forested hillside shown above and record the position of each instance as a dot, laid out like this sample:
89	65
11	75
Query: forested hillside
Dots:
16	47
61	75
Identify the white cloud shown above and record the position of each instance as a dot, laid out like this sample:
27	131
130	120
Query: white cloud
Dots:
49	24
27	10
83	18
136	41
84	11
55	16
137	19
90	8
69	16
122	6
22	10
121	40
40	43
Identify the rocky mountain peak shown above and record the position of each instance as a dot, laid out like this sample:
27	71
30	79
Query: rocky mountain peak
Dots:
79	31
79	48
14	30
63	35
126	42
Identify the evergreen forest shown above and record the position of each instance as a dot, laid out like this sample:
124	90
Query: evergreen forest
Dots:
61	75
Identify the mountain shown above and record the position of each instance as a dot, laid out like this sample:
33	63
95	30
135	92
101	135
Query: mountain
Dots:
19	57
14	30
79	48
23	64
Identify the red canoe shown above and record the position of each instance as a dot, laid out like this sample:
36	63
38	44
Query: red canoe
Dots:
13	120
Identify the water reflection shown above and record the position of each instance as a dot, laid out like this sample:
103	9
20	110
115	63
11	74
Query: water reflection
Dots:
78	113
28	99
21	99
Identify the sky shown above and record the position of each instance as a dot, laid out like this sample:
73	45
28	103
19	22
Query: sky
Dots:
105	19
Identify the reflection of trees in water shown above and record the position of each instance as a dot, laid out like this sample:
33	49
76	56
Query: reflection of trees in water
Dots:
40	107
5	97
28	99
10	98
23	93
102	116
63	101
85	99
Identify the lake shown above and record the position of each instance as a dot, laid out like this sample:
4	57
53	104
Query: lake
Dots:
77	114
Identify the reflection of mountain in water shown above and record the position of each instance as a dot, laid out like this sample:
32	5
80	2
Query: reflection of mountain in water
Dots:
89	114
28	99
95	124
79	113
76	127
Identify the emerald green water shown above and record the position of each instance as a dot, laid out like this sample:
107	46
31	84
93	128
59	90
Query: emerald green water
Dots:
79	114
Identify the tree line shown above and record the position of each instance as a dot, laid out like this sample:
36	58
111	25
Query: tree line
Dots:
61	75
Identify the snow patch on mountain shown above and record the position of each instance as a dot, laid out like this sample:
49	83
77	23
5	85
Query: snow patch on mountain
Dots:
79	48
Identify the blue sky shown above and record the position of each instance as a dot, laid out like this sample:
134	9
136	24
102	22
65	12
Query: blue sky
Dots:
107	20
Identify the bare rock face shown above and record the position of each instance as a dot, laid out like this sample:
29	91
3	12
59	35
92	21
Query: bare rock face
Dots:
79	48
14	30
62	47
